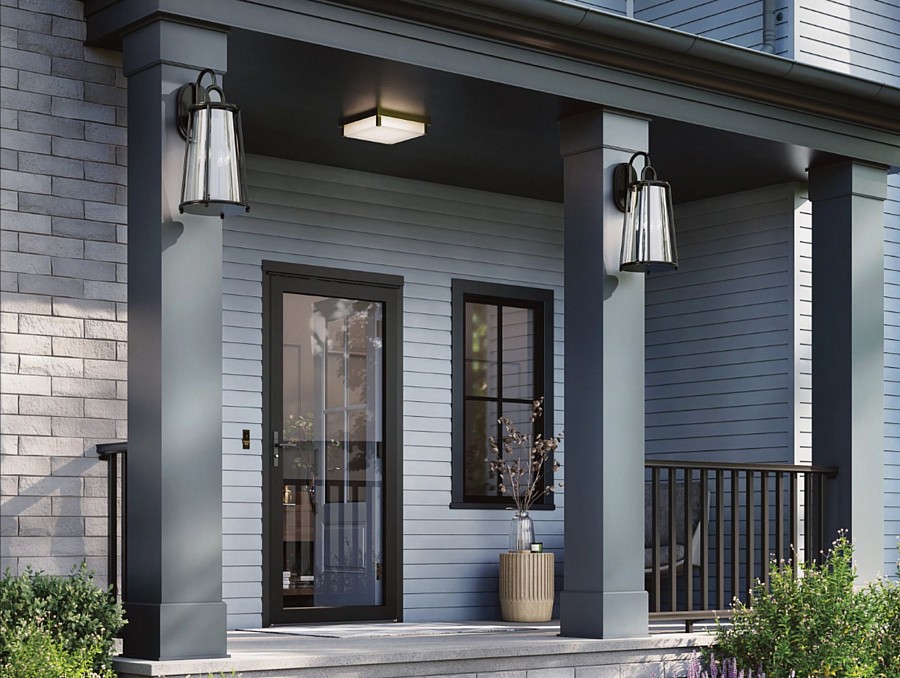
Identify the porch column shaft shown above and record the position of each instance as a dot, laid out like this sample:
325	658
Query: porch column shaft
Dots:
604	593
848	351
174	511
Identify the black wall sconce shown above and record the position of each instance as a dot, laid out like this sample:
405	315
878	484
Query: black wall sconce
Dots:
648	237
214	181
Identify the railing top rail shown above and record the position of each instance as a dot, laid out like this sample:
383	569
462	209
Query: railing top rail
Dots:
726	466
105	450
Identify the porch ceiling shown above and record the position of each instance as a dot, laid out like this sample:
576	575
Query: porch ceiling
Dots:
483	135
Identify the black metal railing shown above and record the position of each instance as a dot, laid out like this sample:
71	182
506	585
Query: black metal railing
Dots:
711	529
110	453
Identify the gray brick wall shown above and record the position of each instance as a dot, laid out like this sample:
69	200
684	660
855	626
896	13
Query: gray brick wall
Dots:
62	285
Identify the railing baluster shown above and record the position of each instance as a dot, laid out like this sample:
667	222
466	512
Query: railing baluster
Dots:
750	516
779	517
704	536
655	531
819	520
764	525
673	582
688	538
124	521
735	535
112	525
795	526
720	539
808	502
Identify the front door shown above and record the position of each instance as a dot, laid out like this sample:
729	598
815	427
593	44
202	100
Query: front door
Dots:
332	350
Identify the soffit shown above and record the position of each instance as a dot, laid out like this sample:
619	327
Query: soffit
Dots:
494	87
482	134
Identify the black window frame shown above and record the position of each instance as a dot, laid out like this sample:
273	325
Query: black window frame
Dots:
541	301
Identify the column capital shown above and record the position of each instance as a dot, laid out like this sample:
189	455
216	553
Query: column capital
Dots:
847	177
177	44
603	128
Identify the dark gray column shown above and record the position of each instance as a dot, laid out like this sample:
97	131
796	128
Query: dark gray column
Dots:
174	504
604	593
848	351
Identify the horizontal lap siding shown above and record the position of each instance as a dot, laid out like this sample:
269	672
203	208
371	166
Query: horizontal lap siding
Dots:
719	333
859	37
892	374
428	234
736	21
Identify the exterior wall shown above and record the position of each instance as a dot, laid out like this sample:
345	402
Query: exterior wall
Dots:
859	37
892	375
63	285
736	21
343	219
719	333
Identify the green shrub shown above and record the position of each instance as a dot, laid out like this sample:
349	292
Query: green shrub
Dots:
35	652
73	611
817	624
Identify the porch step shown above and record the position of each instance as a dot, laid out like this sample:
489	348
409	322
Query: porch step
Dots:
525	653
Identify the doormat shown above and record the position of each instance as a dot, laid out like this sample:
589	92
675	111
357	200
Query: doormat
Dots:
391	630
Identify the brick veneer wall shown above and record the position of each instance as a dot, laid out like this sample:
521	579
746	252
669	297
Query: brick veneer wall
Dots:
62	284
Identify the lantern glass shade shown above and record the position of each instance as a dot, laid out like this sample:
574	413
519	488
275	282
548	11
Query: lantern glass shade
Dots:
648	238
214	179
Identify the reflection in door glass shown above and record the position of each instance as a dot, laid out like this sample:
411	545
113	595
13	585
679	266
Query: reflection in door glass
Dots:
331	484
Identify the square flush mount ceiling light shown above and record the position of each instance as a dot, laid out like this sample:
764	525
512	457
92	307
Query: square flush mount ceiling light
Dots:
386	128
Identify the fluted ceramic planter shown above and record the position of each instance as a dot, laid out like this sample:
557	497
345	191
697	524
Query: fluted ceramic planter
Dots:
526	586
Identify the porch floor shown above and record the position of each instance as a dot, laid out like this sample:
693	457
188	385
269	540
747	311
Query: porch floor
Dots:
504	651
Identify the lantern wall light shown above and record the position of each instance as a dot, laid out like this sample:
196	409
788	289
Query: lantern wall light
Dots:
648	236
214	181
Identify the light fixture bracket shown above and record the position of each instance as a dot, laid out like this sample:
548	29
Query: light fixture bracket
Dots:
624	175
190	95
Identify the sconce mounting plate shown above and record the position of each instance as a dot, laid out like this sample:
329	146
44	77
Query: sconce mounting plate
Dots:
623	175
186	97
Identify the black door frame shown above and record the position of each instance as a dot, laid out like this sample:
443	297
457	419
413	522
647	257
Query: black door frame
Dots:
280	277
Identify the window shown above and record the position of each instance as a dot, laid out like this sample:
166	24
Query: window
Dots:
502	362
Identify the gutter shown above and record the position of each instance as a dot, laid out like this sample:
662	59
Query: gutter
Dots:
566	15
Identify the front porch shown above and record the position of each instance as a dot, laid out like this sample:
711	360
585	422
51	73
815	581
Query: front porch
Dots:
704	367
496	650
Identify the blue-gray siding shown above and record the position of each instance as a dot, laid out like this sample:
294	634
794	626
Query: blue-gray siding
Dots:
859	37
736	21
428	234
719	333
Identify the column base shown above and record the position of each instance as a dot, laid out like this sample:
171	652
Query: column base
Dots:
160	631
589	614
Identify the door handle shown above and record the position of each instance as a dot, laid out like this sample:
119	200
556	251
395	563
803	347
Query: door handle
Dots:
277	447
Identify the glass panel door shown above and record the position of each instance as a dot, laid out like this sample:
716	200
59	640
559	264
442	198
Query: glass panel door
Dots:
330	476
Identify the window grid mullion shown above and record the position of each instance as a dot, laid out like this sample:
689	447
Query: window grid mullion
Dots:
499	386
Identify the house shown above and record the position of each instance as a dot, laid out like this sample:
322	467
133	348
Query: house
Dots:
308	387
